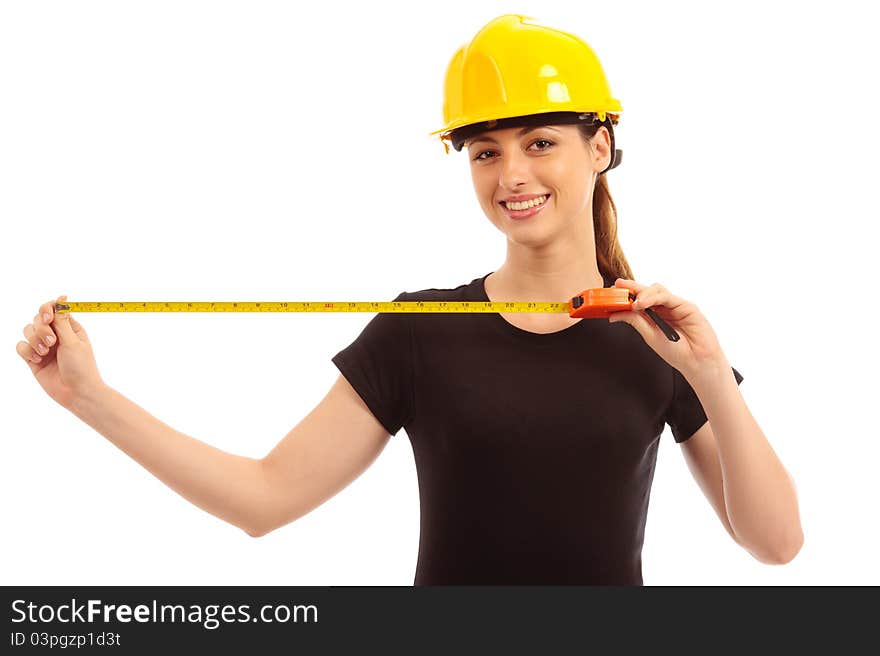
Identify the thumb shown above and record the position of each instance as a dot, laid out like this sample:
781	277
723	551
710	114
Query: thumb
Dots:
625	317
78	328
614	317
61	324
638	322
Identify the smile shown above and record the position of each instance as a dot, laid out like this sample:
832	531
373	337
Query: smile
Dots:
516	205
524	210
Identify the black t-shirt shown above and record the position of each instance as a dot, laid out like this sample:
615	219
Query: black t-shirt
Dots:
534	452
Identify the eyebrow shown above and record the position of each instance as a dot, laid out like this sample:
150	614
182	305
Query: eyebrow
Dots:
525	130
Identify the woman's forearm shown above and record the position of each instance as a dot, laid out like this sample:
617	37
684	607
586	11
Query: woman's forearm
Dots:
759	493
228	486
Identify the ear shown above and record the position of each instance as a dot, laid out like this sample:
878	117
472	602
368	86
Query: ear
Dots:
601	150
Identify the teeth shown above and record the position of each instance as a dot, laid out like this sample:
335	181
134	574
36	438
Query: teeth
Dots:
526	204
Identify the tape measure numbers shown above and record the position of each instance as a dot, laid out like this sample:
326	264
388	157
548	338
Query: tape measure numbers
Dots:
597	302
594	303
312	306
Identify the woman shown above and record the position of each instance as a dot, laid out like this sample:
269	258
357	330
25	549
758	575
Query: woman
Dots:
535	437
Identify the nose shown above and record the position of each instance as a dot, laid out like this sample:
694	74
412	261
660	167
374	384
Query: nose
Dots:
514	170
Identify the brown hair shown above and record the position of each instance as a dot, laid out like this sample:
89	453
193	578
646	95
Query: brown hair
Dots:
609	254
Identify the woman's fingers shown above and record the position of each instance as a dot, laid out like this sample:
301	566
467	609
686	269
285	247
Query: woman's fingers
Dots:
40	332
62	324
637	287
651	295
40	336
38	341
25	350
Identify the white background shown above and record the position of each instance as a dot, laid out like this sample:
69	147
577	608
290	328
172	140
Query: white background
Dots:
280	151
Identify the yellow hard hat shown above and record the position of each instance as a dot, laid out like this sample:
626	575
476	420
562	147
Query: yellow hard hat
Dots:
517	72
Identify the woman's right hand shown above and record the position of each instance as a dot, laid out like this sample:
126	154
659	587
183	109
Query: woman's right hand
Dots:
59	354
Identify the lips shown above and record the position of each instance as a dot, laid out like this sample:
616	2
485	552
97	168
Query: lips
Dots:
524	197
528	212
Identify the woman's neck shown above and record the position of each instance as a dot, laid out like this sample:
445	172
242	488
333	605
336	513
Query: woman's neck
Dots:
544	283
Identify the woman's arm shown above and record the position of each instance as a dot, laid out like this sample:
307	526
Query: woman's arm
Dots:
759	493
228	486
320	456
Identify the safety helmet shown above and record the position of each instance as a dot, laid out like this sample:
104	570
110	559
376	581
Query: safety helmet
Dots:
515	72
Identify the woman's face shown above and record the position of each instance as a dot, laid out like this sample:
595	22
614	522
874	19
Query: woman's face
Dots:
541	160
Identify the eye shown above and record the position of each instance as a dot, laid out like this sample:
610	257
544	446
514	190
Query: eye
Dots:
480	157
550	143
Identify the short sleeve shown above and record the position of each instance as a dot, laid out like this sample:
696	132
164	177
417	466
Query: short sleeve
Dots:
378	365
685	413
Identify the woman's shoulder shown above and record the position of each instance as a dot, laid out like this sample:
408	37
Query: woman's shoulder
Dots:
469	291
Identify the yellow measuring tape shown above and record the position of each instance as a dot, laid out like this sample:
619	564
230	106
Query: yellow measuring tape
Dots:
590	303
311	306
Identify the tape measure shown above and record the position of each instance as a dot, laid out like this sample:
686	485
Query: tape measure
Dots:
310	306
589	304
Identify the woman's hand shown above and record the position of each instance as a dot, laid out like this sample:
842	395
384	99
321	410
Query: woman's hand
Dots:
59	354
698	349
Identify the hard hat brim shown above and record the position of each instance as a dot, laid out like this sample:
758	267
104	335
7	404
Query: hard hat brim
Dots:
458	136
556	116
461	134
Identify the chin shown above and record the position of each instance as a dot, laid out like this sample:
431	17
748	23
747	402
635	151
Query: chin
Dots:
534	238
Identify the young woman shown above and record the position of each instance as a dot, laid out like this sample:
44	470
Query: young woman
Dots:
535	436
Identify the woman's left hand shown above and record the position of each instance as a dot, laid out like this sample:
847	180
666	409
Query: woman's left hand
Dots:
696	351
